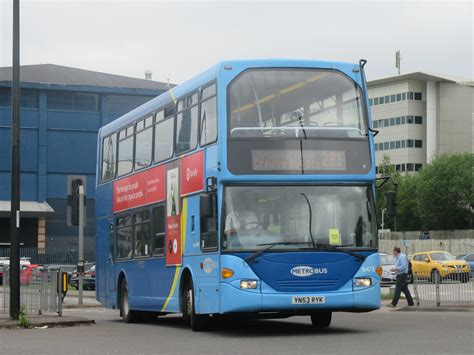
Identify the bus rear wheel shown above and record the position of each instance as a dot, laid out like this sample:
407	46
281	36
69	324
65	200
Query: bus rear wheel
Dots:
198	322
321	319
127	314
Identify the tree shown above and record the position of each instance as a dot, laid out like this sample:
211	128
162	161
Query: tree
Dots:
444	193
385	169
408	218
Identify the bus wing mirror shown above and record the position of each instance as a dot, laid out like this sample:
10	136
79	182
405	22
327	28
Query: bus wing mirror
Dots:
391	203
205	206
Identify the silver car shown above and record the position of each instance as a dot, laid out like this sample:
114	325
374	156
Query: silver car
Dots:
387	262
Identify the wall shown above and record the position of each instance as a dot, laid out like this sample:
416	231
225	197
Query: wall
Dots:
455	118
456	242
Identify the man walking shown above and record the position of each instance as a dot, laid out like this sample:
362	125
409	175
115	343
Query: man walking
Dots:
401	270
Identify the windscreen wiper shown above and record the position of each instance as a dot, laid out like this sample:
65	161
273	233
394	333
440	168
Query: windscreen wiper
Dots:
255	255
332	248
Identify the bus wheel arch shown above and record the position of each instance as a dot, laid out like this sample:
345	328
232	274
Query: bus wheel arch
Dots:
120	280
186	278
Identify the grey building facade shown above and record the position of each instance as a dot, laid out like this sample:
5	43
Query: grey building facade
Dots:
420	116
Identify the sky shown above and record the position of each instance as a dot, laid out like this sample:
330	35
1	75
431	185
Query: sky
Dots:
177	40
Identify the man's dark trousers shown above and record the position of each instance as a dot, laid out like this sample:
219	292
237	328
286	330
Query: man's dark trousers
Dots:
402	286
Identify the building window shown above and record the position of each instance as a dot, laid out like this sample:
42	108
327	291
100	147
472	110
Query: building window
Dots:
28	98
399	97
142	231
380	146
386	122
376	124
381	100
418	120
410	167
376	101
208	122
397	145
143	142
404	96
125	151
410	95
403	167
418	167
403	143
72	101
418	144
397	121
397	167
417	96
124	237
392	145
164	134
410	143
387	99
393	98
109	150
376	169
119	104
371	101
158	225
187	124
392	121
403	119
386	146
410	119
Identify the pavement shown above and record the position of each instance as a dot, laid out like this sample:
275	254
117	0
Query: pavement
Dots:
379	332
44	321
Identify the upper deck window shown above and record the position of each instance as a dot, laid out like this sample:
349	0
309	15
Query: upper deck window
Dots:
295	103
125	151
109	150
187	124
208	120
143	143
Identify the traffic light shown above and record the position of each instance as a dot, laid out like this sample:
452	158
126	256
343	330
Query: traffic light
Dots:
73	201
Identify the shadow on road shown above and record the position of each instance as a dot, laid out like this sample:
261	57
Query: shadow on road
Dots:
235	328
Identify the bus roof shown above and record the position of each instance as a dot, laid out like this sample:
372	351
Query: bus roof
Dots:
210	74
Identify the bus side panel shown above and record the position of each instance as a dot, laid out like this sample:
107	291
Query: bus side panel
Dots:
204	266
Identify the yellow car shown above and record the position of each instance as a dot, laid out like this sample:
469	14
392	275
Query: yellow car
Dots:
439	265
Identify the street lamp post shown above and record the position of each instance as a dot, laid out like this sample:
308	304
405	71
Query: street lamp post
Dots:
383	214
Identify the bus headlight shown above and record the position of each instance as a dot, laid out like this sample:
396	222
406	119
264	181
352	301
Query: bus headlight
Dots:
363	282
246	284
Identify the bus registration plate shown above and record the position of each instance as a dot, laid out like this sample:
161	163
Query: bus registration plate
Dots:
308	300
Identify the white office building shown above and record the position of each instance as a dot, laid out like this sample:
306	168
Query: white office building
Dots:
419	116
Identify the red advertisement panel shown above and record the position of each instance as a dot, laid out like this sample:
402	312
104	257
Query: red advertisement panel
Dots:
192	177
173	211
139	189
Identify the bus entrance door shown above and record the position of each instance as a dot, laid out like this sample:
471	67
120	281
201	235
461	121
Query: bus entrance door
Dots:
110	264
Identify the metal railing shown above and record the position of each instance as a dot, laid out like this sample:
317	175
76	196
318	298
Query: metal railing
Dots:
40	291
450	288
51	255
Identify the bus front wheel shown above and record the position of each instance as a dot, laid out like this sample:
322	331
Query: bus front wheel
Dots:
321	319
198	322
128	315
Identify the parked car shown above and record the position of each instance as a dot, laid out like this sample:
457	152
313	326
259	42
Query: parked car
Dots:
26	273
88	280
387	262
469	258
440	264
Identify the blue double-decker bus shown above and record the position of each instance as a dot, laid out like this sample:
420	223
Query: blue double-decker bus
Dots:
247	190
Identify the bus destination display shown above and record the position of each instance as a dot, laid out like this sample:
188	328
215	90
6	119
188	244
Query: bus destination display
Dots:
287	160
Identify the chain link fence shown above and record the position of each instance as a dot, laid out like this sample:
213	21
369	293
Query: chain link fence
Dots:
433	288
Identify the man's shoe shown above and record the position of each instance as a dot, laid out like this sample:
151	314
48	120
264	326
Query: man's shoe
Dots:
411	305
390	305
